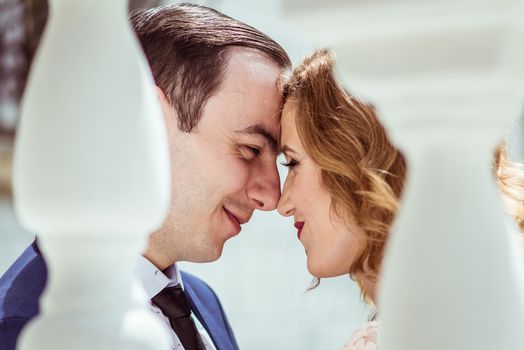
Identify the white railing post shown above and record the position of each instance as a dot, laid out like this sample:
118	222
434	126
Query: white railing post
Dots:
91	177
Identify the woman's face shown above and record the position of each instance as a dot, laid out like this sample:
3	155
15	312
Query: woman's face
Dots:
331	245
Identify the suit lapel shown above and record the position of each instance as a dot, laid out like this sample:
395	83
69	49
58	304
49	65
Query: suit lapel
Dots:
210	316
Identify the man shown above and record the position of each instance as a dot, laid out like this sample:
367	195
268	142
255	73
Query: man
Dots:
218	82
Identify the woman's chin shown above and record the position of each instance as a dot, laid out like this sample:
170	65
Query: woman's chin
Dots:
317	271
323	271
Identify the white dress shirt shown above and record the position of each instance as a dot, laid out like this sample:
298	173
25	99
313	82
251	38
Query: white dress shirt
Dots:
153	282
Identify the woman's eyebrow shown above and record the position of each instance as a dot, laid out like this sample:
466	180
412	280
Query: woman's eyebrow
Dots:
287	149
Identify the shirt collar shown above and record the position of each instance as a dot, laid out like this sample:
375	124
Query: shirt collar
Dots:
153	280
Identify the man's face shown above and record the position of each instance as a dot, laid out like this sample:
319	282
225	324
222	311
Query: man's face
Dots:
225	168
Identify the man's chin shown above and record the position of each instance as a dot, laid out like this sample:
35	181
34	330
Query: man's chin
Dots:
211	253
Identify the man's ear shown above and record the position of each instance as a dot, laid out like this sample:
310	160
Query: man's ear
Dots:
162	99
167	110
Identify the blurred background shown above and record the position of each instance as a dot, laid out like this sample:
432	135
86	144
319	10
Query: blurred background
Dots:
261	278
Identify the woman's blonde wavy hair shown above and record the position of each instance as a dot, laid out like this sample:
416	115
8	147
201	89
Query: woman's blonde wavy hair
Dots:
510	180
360	168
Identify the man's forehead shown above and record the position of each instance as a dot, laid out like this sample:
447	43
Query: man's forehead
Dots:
237	56
244	64
250	95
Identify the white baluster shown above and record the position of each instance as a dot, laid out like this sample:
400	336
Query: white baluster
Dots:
91	177
452	277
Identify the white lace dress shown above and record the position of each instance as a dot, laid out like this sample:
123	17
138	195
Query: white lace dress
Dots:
364	338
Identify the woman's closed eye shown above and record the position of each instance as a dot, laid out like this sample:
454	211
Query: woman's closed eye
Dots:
290	164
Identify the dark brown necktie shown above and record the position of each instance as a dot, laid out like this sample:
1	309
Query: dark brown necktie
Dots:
173	304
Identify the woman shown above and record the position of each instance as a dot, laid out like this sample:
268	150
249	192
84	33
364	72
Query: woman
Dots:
345	179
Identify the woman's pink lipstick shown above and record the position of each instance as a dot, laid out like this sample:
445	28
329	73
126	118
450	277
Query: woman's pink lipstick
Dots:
298	226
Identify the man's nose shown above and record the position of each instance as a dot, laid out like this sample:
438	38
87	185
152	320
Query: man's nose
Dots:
264	191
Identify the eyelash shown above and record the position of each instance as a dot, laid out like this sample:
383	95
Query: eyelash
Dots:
255	151
291	164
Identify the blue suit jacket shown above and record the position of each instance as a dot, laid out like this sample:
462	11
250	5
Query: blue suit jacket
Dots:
22	285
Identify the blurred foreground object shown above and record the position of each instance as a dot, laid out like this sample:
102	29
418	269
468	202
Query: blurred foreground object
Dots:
91	176
447	78
21	25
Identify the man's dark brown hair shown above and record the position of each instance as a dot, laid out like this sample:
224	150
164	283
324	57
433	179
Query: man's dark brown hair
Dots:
188	47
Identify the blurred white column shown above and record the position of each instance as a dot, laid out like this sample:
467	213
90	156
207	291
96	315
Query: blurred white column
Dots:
452	276
513	58
447	78
91	177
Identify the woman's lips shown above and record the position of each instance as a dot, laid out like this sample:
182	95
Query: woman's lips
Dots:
298	226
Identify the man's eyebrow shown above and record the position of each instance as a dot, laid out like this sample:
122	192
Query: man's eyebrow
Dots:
260	130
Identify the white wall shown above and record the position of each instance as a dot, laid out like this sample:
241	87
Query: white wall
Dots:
516	140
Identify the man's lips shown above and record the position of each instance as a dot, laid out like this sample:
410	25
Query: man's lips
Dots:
236	220
298	226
